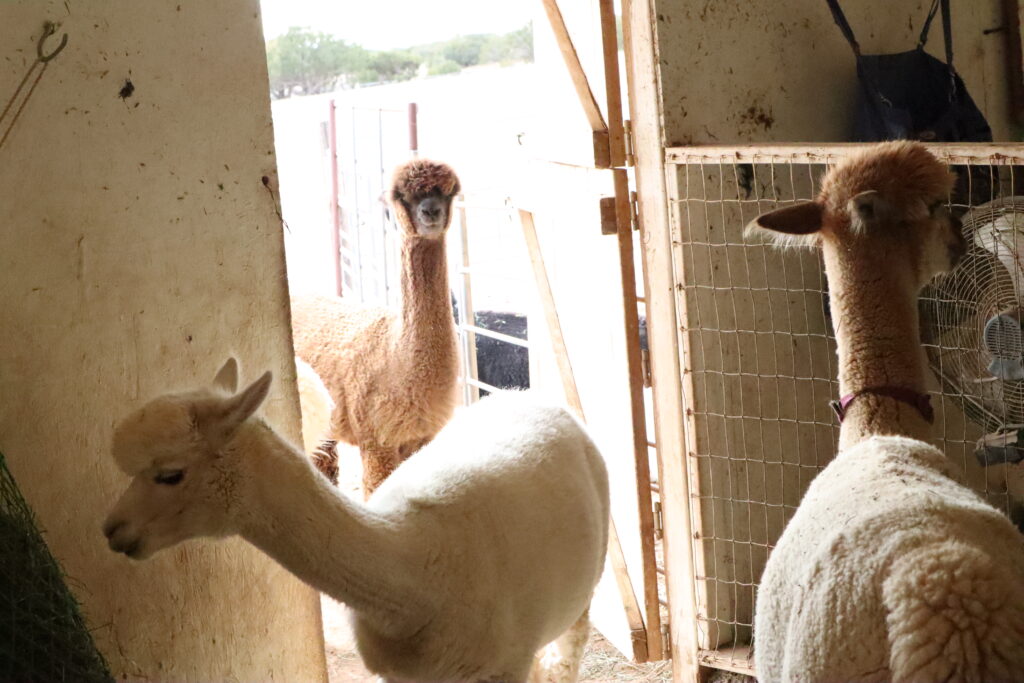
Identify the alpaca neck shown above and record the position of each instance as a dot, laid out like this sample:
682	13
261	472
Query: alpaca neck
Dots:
874	311
427	323
332	543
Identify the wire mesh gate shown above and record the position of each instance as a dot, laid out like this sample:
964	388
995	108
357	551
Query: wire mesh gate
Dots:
757	354
364	144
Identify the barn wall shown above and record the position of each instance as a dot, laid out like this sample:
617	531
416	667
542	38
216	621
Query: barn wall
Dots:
750	72
138	249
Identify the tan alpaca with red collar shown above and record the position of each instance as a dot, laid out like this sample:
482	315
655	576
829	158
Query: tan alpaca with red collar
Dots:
890	570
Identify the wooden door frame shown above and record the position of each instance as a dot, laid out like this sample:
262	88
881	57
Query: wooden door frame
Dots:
648	149
610	152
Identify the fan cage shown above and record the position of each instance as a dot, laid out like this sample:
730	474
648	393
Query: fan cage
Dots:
758	361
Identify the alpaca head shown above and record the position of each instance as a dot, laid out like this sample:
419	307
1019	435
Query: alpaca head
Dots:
421	193
184	482
885	208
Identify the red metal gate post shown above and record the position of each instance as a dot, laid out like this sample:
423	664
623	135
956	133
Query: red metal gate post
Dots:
332	137
414	136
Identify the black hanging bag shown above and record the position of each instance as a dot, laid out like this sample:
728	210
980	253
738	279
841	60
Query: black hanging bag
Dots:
914	96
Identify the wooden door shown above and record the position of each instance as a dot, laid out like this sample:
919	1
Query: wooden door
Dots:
577	204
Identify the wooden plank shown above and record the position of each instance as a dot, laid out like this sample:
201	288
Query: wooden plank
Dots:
1014	60
602	142
634	616
638	415
659	288
609	216
999	153
638	634
547	298
613	86
466	312
332	137
738	659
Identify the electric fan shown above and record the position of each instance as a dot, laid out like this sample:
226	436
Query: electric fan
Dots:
971	323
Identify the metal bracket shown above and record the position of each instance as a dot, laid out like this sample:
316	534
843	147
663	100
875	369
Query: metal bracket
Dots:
634	211
627	130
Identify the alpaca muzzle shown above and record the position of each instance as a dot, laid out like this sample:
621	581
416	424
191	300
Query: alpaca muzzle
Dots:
119	541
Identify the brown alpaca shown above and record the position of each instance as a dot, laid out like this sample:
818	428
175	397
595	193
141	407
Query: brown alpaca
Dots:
881	223
890	569
392	374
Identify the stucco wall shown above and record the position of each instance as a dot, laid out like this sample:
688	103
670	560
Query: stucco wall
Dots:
763	71
138	249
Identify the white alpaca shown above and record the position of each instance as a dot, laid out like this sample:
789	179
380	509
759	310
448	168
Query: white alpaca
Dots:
890	570
474	553
315	403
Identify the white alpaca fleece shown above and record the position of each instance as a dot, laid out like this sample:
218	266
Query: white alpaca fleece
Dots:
477	551
513	499
892	571
315	403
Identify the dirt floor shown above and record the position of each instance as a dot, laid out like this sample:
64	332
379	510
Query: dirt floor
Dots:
602	663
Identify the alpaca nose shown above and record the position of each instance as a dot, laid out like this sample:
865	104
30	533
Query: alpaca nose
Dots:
110	527
430	209
128	546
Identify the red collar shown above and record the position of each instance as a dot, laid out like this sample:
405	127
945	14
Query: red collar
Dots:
923	402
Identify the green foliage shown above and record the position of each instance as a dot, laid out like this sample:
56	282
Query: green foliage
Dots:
465	50
310	62
388	67
444	66
306	62
508	48
472	50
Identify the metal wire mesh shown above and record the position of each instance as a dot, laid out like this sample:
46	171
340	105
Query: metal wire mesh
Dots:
42	634
758	359
371	142
490	282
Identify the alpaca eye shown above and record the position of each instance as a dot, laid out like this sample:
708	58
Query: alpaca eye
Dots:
169	478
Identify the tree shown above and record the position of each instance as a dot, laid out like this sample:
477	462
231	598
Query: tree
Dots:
310	62
464	50
442	66
388	67
306	62
507	48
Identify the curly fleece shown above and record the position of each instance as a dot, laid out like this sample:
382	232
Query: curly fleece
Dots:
892	571
420	177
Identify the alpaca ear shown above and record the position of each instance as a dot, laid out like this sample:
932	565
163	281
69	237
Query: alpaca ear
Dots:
797	223
218	420
227	376
868	208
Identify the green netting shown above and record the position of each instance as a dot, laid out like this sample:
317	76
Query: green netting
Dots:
42	634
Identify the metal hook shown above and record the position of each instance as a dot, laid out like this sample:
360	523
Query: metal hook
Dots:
49	28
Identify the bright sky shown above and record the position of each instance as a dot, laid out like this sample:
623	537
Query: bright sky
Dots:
388	24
